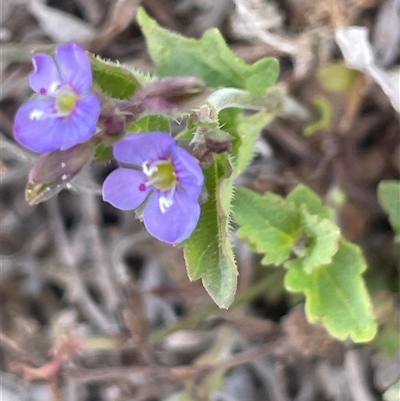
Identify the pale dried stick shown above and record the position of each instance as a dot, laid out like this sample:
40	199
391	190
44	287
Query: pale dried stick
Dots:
78	288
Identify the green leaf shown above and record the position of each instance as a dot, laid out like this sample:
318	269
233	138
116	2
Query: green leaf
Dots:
247	131
208	58
324	237
389	198
337	77
143	77
327	270
260	75
113	79
302	195
103	153
150	123
318	231
277	227
267	222
325	110
208	251
186	135
336	294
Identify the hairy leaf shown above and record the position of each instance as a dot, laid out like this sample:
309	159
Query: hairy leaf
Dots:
150	123
324	237
277	227
298	233
208	251
113	79
302	195
103	153
267	222
208	58
247	131
336	294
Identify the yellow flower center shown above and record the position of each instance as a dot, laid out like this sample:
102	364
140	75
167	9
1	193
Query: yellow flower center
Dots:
161	174
66	101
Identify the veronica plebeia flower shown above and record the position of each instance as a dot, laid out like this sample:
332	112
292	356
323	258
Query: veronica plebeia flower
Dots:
64	112
168	178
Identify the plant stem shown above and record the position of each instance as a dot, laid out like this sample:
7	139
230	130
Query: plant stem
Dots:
195	319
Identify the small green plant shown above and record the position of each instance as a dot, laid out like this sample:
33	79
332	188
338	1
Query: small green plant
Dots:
183	188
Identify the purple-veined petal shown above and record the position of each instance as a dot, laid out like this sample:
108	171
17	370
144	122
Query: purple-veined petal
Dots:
81	124
35	126
121	188
74	66
149	146
188	171
177	223
45	78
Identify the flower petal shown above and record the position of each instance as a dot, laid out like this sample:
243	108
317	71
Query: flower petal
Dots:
81	124
34	129
149	146
188	172
45	77
177	223
121	189
74	66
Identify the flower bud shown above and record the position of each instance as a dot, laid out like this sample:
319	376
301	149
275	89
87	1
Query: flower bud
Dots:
113	124
168	96
53	172
206	142
218	141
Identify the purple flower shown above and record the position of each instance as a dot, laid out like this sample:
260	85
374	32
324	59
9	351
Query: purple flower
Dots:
64	112
169	178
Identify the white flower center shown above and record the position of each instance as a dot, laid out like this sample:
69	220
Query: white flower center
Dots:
165	203
36	115
53	87
161	176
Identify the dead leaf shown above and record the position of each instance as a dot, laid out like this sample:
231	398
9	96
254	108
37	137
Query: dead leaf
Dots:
357	51
60	26
386	40
122	14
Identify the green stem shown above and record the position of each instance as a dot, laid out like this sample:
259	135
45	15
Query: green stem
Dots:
191	321
195	319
